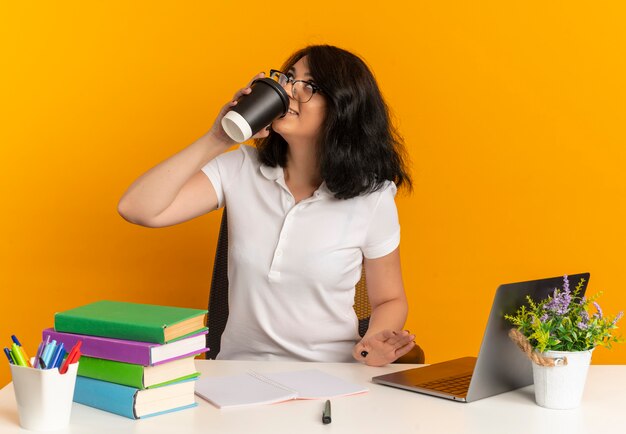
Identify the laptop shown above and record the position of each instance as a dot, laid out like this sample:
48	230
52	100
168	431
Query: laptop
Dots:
500	366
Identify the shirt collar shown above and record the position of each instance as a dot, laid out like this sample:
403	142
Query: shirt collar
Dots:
324	191
271	173
277	174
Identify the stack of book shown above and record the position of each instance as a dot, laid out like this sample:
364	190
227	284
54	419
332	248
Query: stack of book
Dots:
138	359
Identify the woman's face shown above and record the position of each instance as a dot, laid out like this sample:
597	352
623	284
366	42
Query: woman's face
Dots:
303	121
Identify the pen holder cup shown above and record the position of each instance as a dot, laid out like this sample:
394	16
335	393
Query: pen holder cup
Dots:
44	396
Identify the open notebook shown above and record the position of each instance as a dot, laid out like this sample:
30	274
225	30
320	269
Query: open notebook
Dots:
253	388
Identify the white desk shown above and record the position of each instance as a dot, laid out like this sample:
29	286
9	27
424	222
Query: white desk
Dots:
382	410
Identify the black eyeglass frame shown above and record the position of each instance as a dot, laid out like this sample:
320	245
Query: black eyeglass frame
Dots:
293	82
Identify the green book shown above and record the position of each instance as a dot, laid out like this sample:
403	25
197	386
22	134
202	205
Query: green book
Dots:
138	376
131	321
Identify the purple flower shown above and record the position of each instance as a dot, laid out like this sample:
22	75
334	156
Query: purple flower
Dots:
560	301
565	284
544	317
598	314
584	316
618	317
581	325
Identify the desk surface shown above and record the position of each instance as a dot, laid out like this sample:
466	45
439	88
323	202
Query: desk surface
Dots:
382	409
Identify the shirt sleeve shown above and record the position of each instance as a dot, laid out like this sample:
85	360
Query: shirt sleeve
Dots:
223	170
383	233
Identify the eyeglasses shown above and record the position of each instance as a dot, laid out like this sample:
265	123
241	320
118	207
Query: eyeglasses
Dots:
301	90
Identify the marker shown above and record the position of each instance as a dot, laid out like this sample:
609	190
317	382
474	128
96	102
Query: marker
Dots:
26	358
72	357
55	357
21	350
326	419
38	355
61	357
9	356
17	355
48	352
76	356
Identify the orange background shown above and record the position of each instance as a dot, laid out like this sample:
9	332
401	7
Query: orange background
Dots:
513	114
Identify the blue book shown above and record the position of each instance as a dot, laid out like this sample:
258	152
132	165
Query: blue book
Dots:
132	402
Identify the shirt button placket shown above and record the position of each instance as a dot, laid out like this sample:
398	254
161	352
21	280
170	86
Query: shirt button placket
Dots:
278	253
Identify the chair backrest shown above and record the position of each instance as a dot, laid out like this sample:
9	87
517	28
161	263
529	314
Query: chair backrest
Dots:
218	298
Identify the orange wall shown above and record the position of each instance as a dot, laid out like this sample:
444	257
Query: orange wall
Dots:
513	114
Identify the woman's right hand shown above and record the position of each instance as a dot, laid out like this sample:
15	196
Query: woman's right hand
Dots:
217	132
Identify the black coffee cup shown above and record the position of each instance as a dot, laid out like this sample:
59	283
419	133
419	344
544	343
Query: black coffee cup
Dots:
255	111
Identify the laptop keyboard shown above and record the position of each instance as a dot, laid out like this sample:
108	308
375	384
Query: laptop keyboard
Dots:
455	385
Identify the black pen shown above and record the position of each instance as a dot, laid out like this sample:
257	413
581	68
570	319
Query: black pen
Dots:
326	415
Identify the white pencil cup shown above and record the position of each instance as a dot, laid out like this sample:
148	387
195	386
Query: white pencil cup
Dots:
44	396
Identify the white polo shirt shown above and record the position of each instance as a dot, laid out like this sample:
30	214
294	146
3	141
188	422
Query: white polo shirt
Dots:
292	268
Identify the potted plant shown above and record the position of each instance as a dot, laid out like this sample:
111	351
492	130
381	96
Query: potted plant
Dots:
559	334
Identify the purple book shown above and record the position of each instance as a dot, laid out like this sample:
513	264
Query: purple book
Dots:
135	352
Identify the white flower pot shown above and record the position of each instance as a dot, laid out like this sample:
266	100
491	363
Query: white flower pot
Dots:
561	387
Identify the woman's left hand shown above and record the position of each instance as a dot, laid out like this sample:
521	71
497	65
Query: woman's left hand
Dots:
384	347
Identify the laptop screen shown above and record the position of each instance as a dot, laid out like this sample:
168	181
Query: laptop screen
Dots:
501	366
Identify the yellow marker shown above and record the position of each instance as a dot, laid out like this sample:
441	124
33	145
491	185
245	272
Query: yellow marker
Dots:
26	358
17	355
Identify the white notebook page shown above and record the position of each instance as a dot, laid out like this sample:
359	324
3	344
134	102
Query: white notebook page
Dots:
253	388
314	384
240	390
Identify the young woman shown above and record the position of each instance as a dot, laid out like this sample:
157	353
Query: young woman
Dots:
307	208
